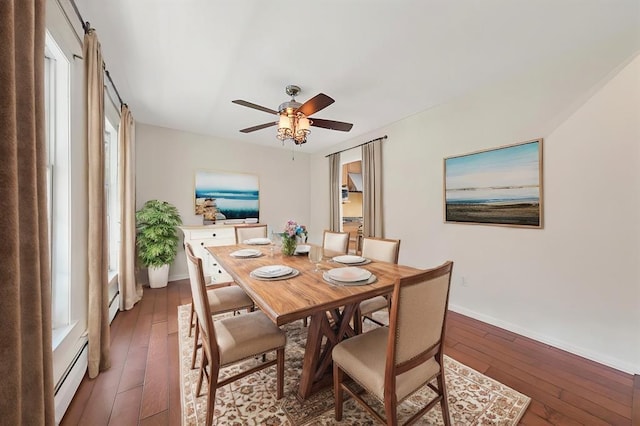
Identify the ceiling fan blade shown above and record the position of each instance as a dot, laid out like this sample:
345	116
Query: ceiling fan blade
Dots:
254	106
258	127
315	104
331	124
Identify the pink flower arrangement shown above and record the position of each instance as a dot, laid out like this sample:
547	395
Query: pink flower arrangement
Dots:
292	229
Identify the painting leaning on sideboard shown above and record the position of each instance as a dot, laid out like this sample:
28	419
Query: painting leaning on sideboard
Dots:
500	186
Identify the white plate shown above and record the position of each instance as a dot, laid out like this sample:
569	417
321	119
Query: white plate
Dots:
272	271
302	249
293	273
349	274
246	253
348	259
328	279
257	241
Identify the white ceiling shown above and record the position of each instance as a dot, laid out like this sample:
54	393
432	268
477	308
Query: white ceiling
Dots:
180	63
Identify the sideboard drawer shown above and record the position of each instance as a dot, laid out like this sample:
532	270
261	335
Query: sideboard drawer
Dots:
214	236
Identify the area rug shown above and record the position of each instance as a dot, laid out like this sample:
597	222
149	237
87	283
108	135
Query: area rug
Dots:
474	399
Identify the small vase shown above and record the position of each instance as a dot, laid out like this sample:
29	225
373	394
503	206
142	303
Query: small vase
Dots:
288	245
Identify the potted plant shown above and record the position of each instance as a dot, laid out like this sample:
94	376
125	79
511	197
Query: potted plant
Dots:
157	239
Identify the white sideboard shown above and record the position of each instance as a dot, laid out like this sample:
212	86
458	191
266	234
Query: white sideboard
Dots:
200	237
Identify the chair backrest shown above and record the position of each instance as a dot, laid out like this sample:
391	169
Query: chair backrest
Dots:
336	241
201	305
381	249
417	320
246	232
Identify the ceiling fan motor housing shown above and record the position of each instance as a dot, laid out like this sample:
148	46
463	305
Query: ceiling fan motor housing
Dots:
289	107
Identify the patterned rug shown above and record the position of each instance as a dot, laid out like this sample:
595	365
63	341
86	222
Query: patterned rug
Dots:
474	399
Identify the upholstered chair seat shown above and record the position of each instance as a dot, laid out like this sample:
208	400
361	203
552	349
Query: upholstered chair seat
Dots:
246	335
361	358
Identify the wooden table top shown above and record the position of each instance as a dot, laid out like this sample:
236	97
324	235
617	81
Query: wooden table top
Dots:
295	298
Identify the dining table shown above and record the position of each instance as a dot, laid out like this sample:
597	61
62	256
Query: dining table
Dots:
308	294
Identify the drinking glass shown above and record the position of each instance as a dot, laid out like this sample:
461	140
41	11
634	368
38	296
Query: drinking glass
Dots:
315	257
276	242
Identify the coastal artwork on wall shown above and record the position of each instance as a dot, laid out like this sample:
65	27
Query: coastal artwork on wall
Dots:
501	186
221	196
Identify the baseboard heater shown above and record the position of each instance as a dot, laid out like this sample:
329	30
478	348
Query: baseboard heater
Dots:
68	384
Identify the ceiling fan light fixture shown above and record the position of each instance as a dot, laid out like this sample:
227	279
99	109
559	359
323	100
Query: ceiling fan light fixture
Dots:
293	117
294	126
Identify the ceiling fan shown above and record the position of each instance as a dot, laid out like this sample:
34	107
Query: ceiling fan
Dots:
294	120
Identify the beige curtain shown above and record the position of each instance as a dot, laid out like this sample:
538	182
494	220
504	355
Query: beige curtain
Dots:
26	366
98	311
130	290
372	221
335	195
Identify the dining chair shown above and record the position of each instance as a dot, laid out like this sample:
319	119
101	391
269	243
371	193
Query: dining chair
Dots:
230	340
336	241
392	363
246	232
382	250
229	298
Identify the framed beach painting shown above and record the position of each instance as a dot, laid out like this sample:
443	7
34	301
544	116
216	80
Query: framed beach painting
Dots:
223	195
500	186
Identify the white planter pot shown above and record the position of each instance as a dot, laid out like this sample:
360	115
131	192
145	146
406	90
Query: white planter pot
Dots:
158	277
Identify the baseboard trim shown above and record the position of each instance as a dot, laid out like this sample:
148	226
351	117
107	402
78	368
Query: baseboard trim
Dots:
114	306
585	353
178	277
68	385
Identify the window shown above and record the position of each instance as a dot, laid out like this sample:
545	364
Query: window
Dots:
113	194
57	116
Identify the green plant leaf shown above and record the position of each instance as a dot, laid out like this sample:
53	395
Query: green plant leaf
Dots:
156	237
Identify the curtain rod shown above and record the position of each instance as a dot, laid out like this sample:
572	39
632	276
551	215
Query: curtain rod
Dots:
364	143
87	27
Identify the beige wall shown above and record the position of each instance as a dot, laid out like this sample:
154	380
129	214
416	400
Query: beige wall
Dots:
574	284
166	161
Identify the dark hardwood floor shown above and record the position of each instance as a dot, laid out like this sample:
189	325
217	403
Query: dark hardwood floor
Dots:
143	385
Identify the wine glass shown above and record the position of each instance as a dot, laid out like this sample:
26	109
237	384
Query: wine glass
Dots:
276	242
315	256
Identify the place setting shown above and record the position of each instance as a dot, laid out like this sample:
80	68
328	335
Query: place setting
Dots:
257	241
274	273
302	250
246	253
349	259
349	276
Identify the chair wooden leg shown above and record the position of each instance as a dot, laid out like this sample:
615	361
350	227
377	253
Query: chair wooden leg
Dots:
305	322
211	392
391	410
211	403
195	345
357	321
338	375
444	402
280	373
203	365
191	319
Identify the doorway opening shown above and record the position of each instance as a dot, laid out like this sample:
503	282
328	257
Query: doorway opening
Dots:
352	191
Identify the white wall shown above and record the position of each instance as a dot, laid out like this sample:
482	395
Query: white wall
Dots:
167	159
574	284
